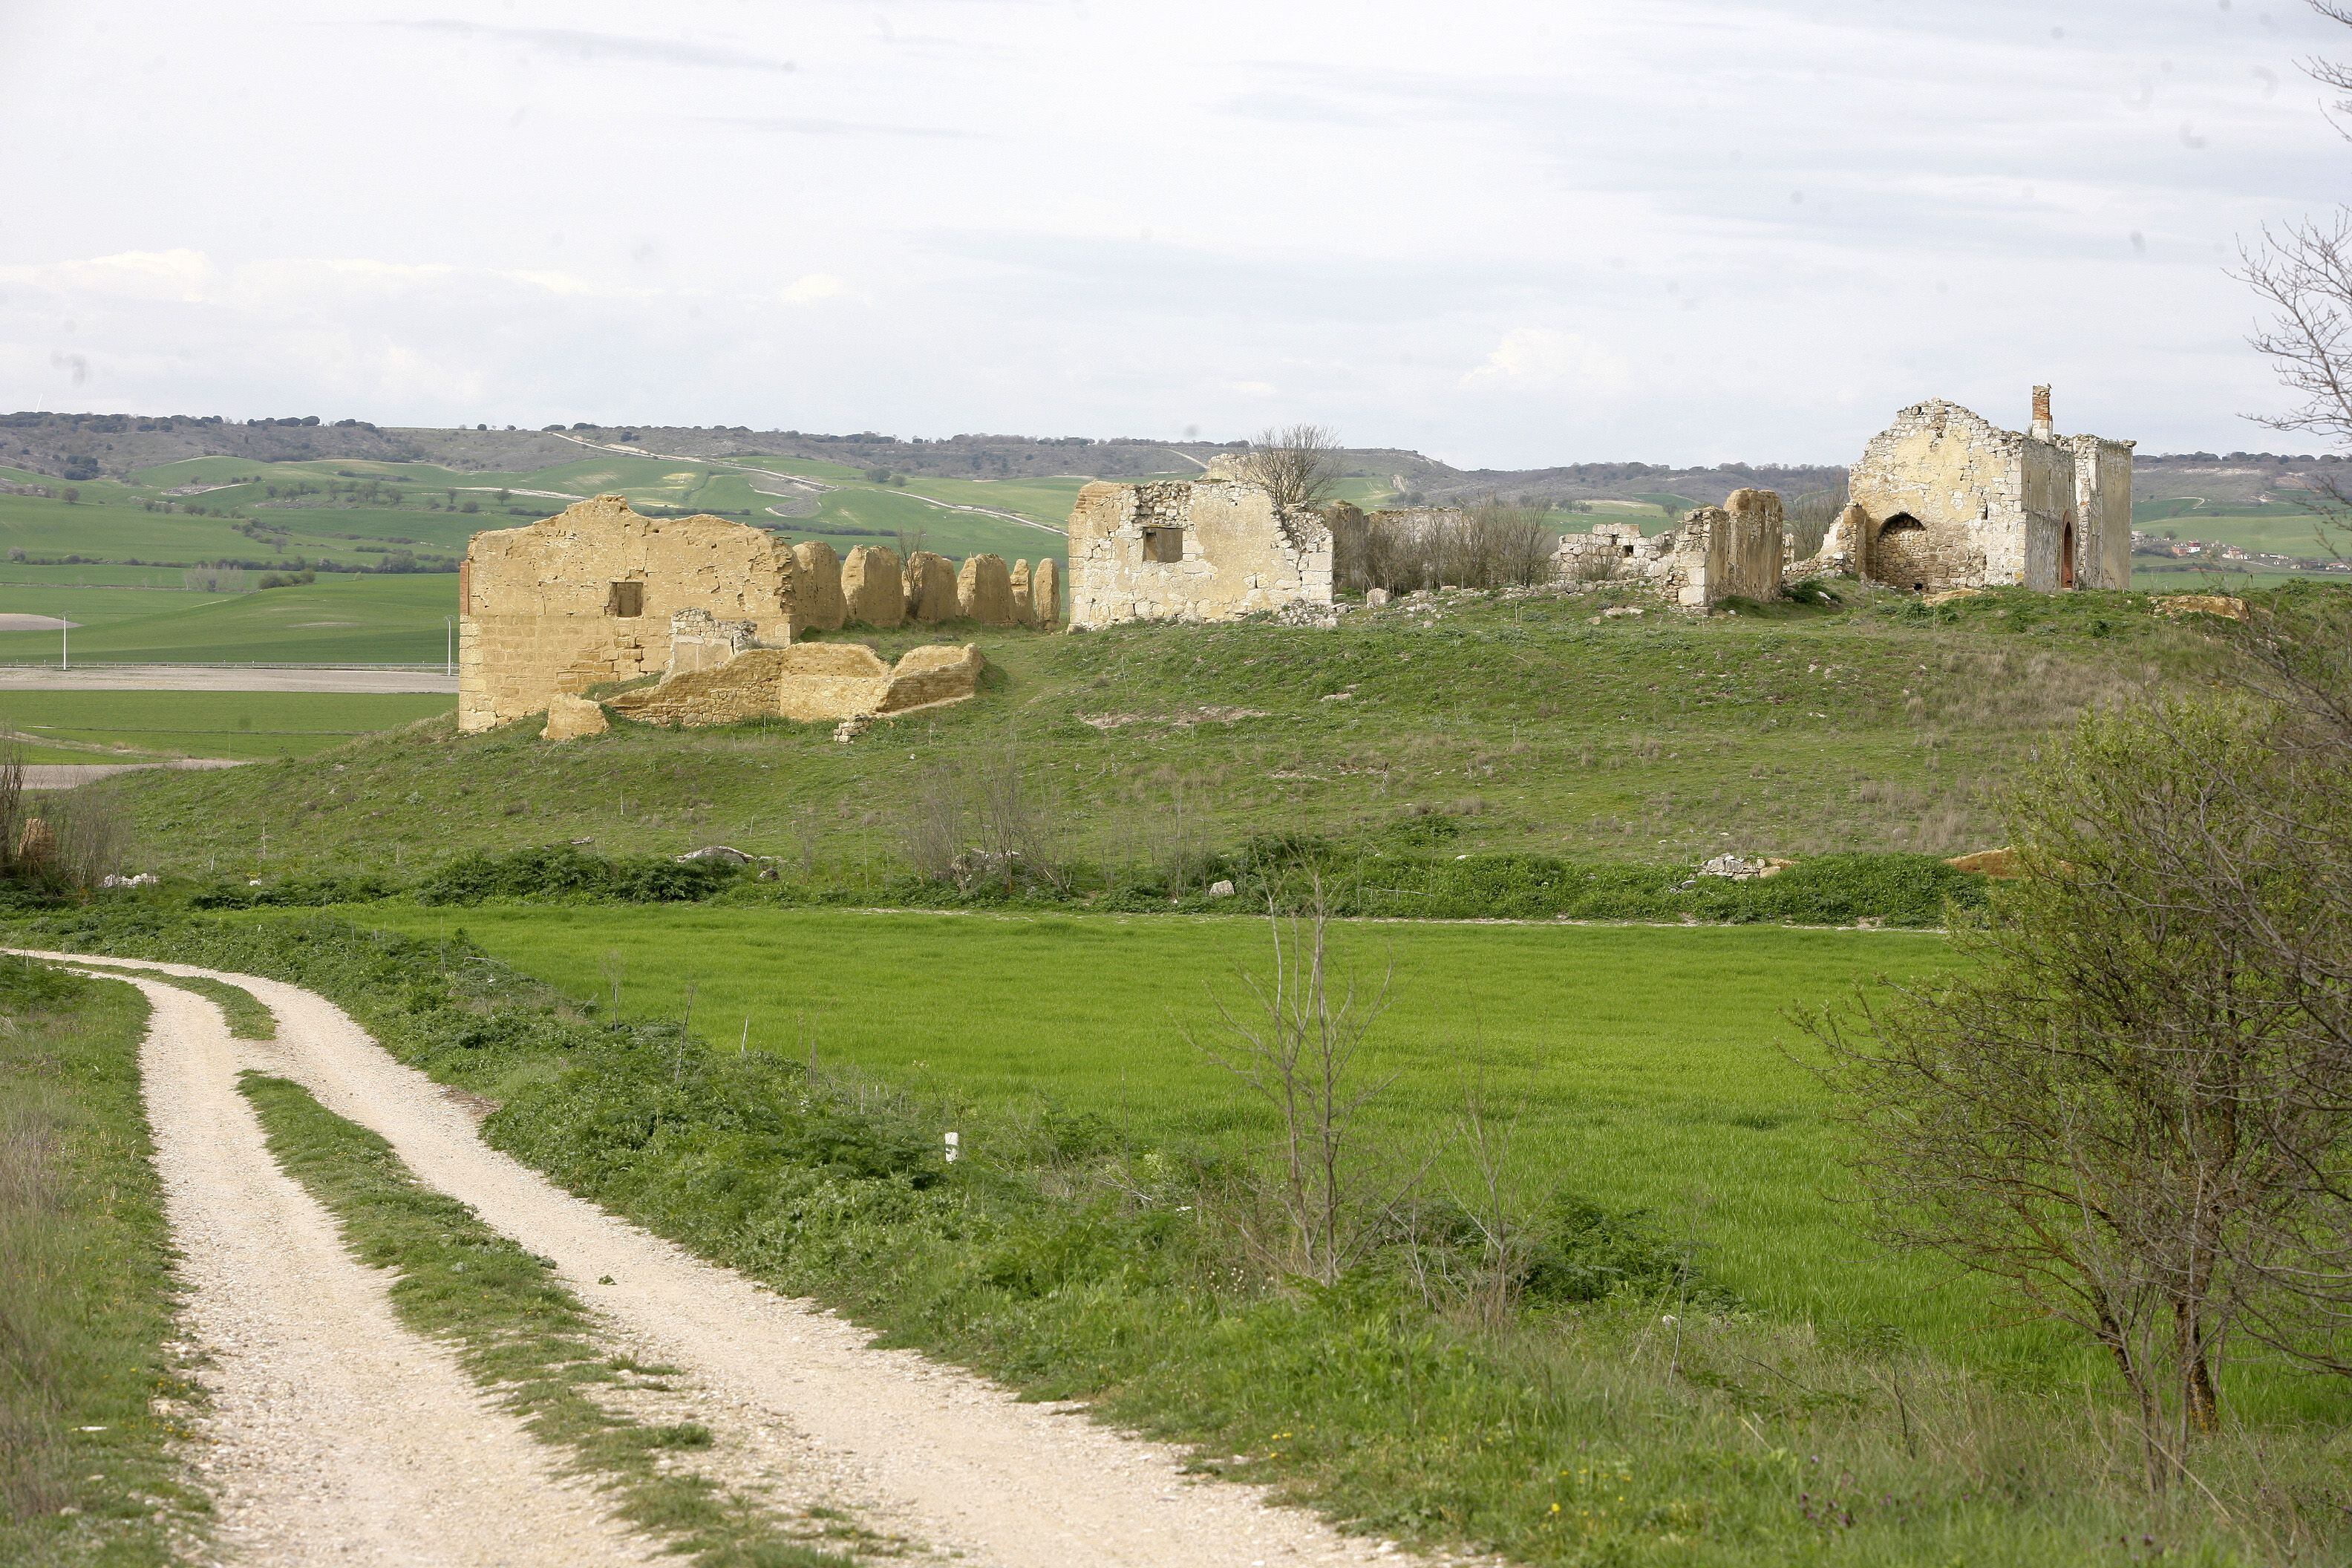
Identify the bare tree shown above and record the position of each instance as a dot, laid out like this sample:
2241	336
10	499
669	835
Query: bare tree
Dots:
1297	1045
1299	463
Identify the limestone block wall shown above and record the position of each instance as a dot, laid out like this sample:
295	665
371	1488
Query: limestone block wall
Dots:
821	609
1961	480
873	589
930	589
1203	550
1613	551
588	596
1732	551
808	682
984	590
1045	595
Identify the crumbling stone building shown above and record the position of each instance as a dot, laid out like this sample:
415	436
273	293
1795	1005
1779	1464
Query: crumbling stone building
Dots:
1943	499
1213	549
588	596
600	595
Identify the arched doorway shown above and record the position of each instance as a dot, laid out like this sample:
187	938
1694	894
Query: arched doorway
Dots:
2066	556
1899	555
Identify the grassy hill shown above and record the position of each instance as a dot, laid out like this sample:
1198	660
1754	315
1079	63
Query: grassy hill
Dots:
1526	725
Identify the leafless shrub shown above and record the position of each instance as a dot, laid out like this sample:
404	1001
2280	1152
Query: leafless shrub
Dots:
984	823
933	825
1494	544
1328	1191
1808	516
1299	463
90	834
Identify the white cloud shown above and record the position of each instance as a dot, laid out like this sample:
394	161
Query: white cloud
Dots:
808	290
132	274
1255	388
1544	357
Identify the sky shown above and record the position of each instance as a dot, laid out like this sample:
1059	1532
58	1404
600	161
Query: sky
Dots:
1505	234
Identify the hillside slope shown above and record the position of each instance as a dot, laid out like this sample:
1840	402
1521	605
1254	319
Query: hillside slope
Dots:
1524	724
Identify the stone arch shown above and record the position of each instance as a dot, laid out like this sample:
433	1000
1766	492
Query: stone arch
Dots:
1900	555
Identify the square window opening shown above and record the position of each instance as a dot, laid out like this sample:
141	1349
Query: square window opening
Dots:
626	600
1165	545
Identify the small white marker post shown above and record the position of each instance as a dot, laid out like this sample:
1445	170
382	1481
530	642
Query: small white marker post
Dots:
65	643
951	1148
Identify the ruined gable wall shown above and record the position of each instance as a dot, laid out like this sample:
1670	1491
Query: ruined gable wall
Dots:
1963	479
538	616
1242	554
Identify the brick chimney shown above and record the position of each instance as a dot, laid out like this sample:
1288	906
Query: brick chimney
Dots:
2042	428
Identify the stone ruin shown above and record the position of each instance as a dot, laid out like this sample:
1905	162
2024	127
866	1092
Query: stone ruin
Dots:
1211	549
599	594
1943	499
1716	552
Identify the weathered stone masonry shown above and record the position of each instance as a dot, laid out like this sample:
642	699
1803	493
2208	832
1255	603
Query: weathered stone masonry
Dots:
1203	550
1943	499
587	596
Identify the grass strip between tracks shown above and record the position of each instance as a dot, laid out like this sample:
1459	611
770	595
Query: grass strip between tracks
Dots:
524	1337
248	1017
91	1392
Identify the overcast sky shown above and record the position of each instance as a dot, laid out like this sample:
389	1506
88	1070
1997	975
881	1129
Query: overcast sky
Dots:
1504	234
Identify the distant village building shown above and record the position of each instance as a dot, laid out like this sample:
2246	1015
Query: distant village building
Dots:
1213	549
1943	499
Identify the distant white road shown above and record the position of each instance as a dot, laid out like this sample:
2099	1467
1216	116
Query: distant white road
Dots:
66	775
223	678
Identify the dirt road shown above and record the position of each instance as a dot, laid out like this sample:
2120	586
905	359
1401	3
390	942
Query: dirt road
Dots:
945	1459
334	1435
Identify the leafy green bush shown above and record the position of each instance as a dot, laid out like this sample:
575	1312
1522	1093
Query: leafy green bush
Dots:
564	871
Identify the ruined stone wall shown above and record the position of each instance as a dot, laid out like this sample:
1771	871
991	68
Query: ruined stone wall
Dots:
2103	480
587	596
873	589
1611	553
808	682
1958	476
1732	551
1208	550
821	609
983	587
930	589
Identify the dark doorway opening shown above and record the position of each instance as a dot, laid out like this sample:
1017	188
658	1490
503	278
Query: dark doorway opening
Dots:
2066	557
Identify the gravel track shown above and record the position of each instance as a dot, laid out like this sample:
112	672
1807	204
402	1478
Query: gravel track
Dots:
334	1434
933	1456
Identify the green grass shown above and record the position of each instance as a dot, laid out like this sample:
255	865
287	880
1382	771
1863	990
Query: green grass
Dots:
1642	1060
248	1017
1649	741
90	1396
1081	1253
234	725
372	619
520	1332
